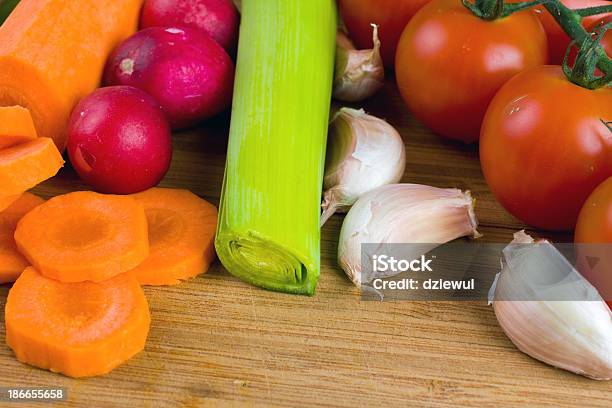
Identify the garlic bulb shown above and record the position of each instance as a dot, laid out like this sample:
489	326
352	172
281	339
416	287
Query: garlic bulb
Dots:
359	74
363	153
550	312
404	213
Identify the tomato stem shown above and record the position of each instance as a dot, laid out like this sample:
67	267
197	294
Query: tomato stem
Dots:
592	11
591	54
495	9
485	9
586	62
514	7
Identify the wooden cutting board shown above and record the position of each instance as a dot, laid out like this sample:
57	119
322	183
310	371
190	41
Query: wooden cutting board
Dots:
216	341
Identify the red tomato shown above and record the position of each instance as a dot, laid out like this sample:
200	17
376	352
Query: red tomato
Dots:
595	219
544	147
390	15
558	41
450	63
595	227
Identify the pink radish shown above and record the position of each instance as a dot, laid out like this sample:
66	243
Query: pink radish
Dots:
119	140
186	71
217	18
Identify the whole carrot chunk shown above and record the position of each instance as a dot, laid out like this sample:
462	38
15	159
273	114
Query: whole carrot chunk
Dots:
26	165
77	329
12	263
6	201
84	236
16	126
181	236
52	54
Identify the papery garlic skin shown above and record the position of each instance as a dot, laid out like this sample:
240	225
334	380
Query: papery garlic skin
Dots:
404	213
575	335
363	153
343	41
359	74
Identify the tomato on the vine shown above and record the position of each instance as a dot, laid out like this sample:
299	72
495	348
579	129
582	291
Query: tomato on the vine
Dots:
390	15
450	63
545	145
593	232
605	42
558	40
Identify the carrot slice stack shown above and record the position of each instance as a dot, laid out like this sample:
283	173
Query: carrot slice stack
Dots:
84	236
26	165
16	126
78	329
12	263
181	234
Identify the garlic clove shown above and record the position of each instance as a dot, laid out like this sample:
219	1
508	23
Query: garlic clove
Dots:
343	41
404	213
574	334
359	74
363	153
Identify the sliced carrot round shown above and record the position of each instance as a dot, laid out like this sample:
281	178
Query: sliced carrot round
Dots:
16	126
12	263
78	329
181	236
84	236
26	165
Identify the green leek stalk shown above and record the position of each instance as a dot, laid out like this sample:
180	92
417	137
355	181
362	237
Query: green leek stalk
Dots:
268	233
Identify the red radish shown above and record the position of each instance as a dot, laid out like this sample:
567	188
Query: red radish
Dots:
217	18
186	71
119	140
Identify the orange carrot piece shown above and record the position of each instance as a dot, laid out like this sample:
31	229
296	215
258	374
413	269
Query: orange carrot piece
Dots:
12	263
181	236
6	201
84	236
16	126
77	329
26	165
77	36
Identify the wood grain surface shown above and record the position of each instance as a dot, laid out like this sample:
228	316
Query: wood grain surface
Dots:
216	341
